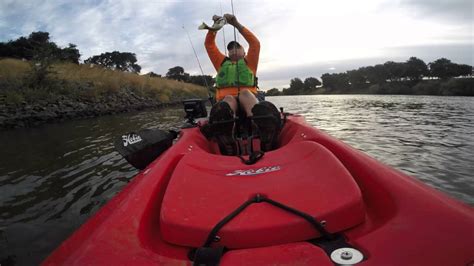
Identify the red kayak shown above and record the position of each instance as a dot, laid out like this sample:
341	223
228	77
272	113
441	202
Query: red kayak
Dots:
313	201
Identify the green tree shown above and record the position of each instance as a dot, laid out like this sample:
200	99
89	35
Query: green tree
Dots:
201	80
395	71
39	38
310	84
38	42
40	65
123	61
375	74
273	92
296	87
463	70
416	69
332	82
443	68
380	74
70	54
153	74
328	81
24	48
177	73
356	78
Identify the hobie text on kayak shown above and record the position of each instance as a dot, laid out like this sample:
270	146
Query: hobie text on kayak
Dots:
130	139
263	170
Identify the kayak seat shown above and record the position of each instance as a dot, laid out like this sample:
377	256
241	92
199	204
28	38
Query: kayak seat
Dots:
205	188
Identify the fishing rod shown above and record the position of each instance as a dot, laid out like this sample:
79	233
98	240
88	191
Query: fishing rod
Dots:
236	37
237	64
211	99
223	30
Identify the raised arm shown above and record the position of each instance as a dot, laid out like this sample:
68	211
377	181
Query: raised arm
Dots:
254	44
254	49
212	50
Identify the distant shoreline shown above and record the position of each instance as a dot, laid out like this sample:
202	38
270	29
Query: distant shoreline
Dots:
365	94
449	87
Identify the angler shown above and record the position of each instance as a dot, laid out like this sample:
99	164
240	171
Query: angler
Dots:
237	88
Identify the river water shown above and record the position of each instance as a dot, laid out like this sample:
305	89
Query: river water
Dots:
54	177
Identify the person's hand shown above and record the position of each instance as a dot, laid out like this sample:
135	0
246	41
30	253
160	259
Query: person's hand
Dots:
231	19
216	17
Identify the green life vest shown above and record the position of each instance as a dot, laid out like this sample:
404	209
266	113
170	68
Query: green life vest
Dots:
227	76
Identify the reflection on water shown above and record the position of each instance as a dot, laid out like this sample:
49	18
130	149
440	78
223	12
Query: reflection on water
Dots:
428	137
54	177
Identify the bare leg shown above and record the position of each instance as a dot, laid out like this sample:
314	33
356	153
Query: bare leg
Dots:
232	102
247	101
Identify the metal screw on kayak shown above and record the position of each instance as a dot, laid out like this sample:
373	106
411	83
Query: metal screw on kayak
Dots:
303	135
217	238
323	223
346	255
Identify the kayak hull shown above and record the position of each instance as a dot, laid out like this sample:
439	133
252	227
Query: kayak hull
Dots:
392	218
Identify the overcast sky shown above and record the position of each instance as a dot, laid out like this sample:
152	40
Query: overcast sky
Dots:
299	38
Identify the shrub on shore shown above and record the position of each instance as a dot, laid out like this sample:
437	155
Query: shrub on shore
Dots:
450	87
87	81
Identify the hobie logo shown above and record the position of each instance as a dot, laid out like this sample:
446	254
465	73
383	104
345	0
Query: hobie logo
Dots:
130	139
263	170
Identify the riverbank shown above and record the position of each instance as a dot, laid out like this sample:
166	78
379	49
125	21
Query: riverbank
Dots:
63	108
435	87
69	91
449	87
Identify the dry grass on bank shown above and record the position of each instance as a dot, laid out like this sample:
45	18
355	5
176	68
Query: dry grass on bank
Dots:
104	81
13	69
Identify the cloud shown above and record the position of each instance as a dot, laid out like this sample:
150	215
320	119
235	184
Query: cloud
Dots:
449	10
462	53
299	38
280	77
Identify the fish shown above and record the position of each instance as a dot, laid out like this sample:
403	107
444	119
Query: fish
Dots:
218	24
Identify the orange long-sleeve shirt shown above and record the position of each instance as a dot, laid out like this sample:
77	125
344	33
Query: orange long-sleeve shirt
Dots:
217	57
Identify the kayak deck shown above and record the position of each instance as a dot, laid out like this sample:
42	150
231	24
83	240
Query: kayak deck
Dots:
170	207
303	175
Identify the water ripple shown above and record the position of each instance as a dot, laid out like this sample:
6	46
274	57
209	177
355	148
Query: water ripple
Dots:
54	177
427	137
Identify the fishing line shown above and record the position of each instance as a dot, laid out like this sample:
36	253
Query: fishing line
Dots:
233	14
236	37
223	30
237	66
199	63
